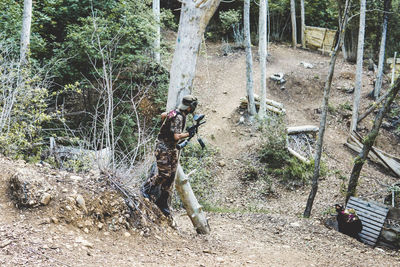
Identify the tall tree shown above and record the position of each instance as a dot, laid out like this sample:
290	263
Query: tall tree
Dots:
195	15
156	12
249	59
303	24
26	31
369	141
263	55
359	70
378	83
322	125
294	27
341	7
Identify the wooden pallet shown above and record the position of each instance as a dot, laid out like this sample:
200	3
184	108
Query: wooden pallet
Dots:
372	216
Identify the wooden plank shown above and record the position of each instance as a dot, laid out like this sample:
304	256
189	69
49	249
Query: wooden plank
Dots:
370	231
374	209
369	204
368	211
368	238
371	237
372	217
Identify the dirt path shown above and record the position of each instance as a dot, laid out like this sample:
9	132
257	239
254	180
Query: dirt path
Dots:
276	237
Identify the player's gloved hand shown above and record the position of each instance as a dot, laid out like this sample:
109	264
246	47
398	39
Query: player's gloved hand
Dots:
191	131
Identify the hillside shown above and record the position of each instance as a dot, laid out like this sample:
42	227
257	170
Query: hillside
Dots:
273	235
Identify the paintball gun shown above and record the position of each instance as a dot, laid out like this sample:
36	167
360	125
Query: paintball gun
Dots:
193	130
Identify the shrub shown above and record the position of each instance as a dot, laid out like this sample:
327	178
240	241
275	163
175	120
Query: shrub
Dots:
23	104
201	160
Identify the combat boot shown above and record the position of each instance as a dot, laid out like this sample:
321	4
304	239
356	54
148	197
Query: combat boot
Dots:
162	203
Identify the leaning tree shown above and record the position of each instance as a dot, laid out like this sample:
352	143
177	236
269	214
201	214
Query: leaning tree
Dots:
195	15
325	102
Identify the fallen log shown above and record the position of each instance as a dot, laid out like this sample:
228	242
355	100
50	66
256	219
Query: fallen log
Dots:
389	161
193	208
302	129
373	107
271	105
297	155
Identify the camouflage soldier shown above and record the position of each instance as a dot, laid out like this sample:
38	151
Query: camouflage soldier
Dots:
158	187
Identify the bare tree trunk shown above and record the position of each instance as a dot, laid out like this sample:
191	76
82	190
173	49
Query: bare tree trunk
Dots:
263	55
328	83
394	68
378	83
341	8
360	55
194	18
294	27
249	59
156	12
25	31
369	141
303	24
193	208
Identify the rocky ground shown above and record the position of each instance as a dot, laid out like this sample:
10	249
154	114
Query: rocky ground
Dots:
250	230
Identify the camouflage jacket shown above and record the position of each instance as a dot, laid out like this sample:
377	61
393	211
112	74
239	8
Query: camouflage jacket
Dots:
174	123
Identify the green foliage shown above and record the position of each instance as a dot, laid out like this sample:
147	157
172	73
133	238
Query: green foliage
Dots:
167	19
23	105
229	18
278	162
201	160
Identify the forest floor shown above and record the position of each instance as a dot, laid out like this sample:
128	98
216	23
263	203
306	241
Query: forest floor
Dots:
273	235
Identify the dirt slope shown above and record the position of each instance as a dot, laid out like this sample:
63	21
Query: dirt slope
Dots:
278	238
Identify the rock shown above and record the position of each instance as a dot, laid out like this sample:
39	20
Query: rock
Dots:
295	224
28	188
75	178
83	242
278	77
389	236
225	92
45	199
100	225
307	65
241	120
69	208
86	230
127	234
81	202
221	163
54	220
5	243
106	233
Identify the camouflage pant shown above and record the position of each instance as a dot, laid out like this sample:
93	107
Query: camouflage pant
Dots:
167	163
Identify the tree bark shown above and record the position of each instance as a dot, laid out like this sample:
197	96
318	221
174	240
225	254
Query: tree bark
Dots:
327	88
194	18
369	141
263	56
341	8
378	83
25	32
303	24
359	70
192	206
394	68
156	12
294	28
249	59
